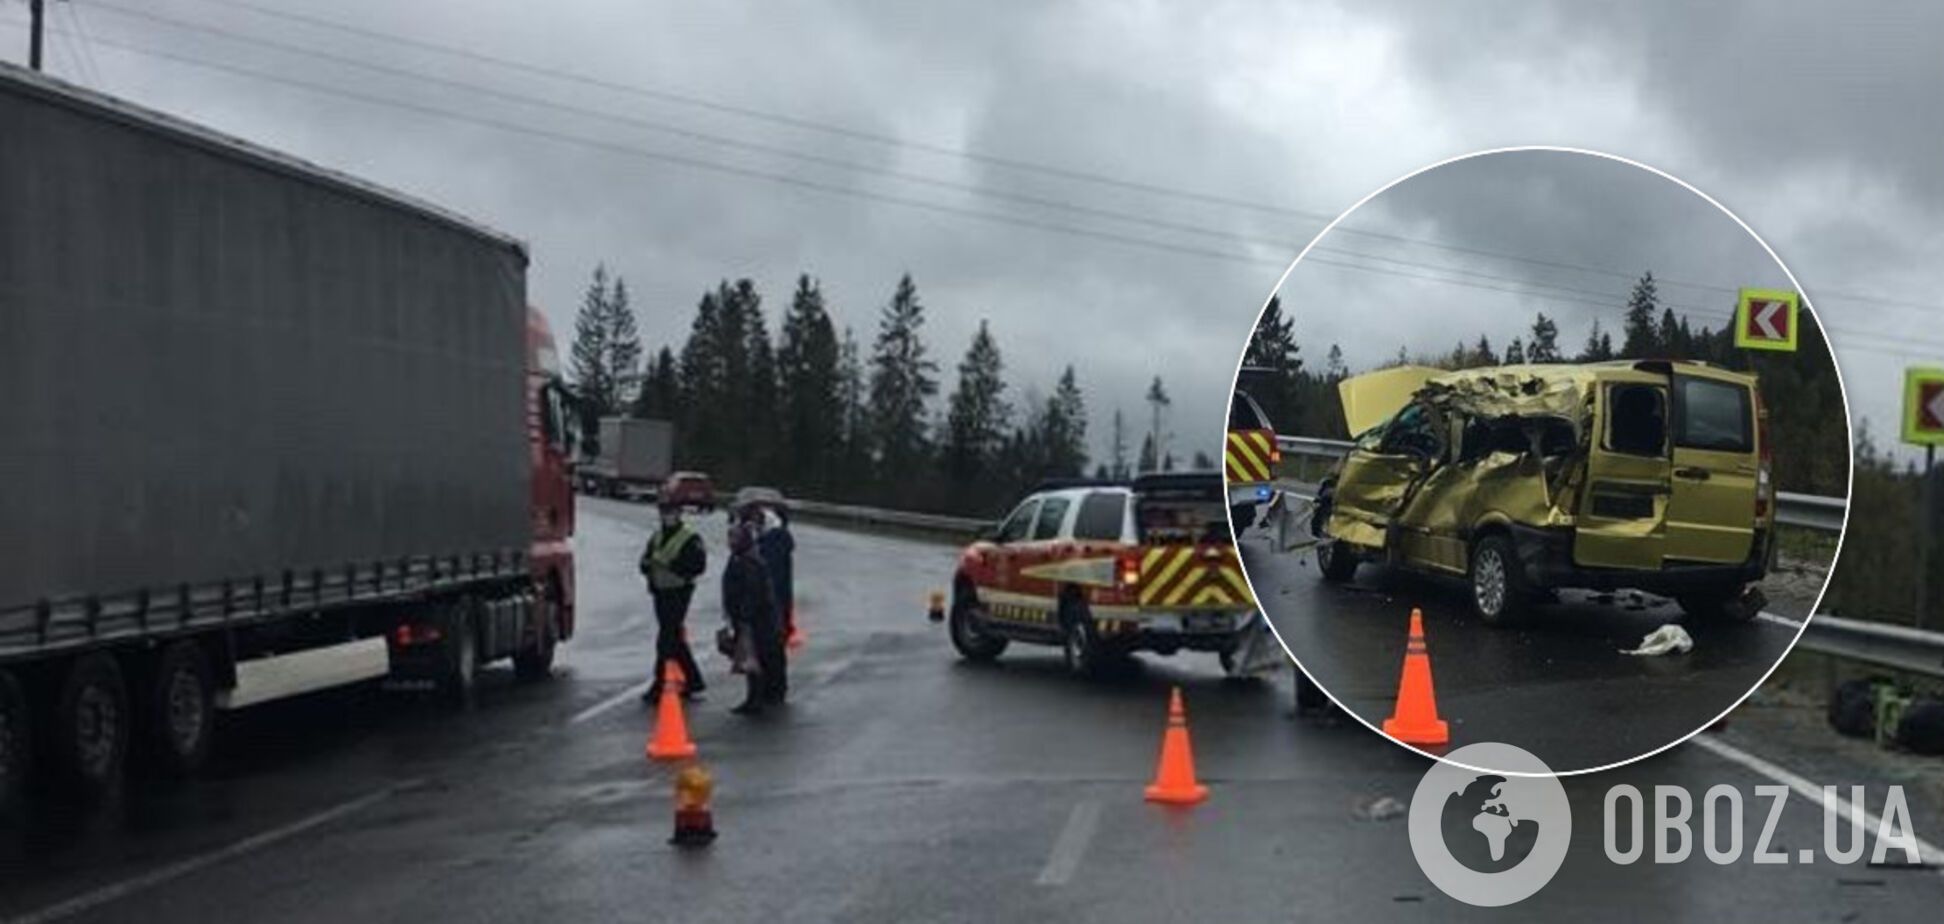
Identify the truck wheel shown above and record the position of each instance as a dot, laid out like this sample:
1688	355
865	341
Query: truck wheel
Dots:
16	744
536	662
459	679
972	643
1079	644
1243	516
180	712
1498	591
1337	561
90	725
1719	604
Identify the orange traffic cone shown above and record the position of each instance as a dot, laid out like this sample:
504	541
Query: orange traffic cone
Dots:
1174	779
671	739
1415	718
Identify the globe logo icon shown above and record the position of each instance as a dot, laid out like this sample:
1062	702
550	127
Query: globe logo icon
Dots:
1482	831
1490	824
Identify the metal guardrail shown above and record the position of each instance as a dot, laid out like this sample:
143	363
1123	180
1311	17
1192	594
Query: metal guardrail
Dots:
929	522
1805	511
1897	647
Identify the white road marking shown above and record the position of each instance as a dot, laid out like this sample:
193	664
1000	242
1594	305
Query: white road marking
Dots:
1801	786
115	891
631	693
1071	846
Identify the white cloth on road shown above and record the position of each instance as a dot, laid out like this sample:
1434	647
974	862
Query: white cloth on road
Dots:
1668	639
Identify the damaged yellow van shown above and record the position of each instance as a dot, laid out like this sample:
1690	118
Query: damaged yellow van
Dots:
1652	475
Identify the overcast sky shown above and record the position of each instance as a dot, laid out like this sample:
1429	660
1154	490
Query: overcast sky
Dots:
1541	231
1231	131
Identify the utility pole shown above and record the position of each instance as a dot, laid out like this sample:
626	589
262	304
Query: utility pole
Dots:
1927	520
36	9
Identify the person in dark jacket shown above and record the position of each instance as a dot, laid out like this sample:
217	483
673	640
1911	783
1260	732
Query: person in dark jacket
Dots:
749	603
672	561
778	547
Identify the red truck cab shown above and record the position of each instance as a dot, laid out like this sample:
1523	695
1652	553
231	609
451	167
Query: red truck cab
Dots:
551	432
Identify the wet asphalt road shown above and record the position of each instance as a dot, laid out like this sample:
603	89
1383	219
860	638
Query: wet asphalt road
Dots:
900	785
1557	684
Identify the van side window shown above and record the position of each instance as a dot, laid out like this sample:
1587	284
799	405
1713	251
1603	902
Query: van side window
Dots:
1101	517
1636	420
1711	415
1052	513
1021	520
1411	433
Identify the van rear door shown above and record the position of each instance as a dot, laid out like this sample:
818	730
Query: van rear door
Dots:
1623	507
1711	513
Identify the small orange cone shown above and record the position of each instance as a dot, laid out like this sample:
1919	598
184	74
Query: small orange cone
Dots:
1174	780
671	739
694	823
1415	718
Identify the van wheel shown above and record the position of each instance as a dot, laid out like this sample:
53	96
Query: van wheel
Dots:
16	744
90	725
1337	562
972	643
1720	605
1498	590
180	710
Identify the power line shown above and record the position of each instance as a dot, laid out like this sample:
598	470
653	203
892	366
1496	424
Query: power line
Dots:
828	128
713	166
906	176
1068	173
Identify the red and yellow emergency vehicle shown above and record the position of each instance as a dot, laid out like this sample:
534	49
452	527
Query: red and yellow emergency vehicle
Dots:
1249	458
1104	569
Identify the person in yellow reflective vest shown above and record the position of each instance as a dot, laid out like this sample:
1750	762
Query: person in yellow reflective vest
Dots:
672	561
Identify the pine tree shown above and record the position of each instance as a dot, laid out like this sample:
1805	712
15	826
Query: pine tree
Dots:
1158	401
1482	354
808	373
761	446
1064	428
1598	348
1515	353
902	380
1545	341
1334	369
976	418
1147	461
660	393
1118	466
1641	340
856	451
699	440
1203	462
1669	335
606	354
1272	348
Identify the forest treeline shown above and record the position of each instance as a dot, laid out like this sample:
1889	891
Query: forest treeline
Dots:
815	410
1800	389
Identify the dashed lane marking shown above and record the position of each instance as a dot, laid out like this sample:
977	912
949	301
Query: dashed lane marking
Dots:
1071	847
628	695
116	891
1801	786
